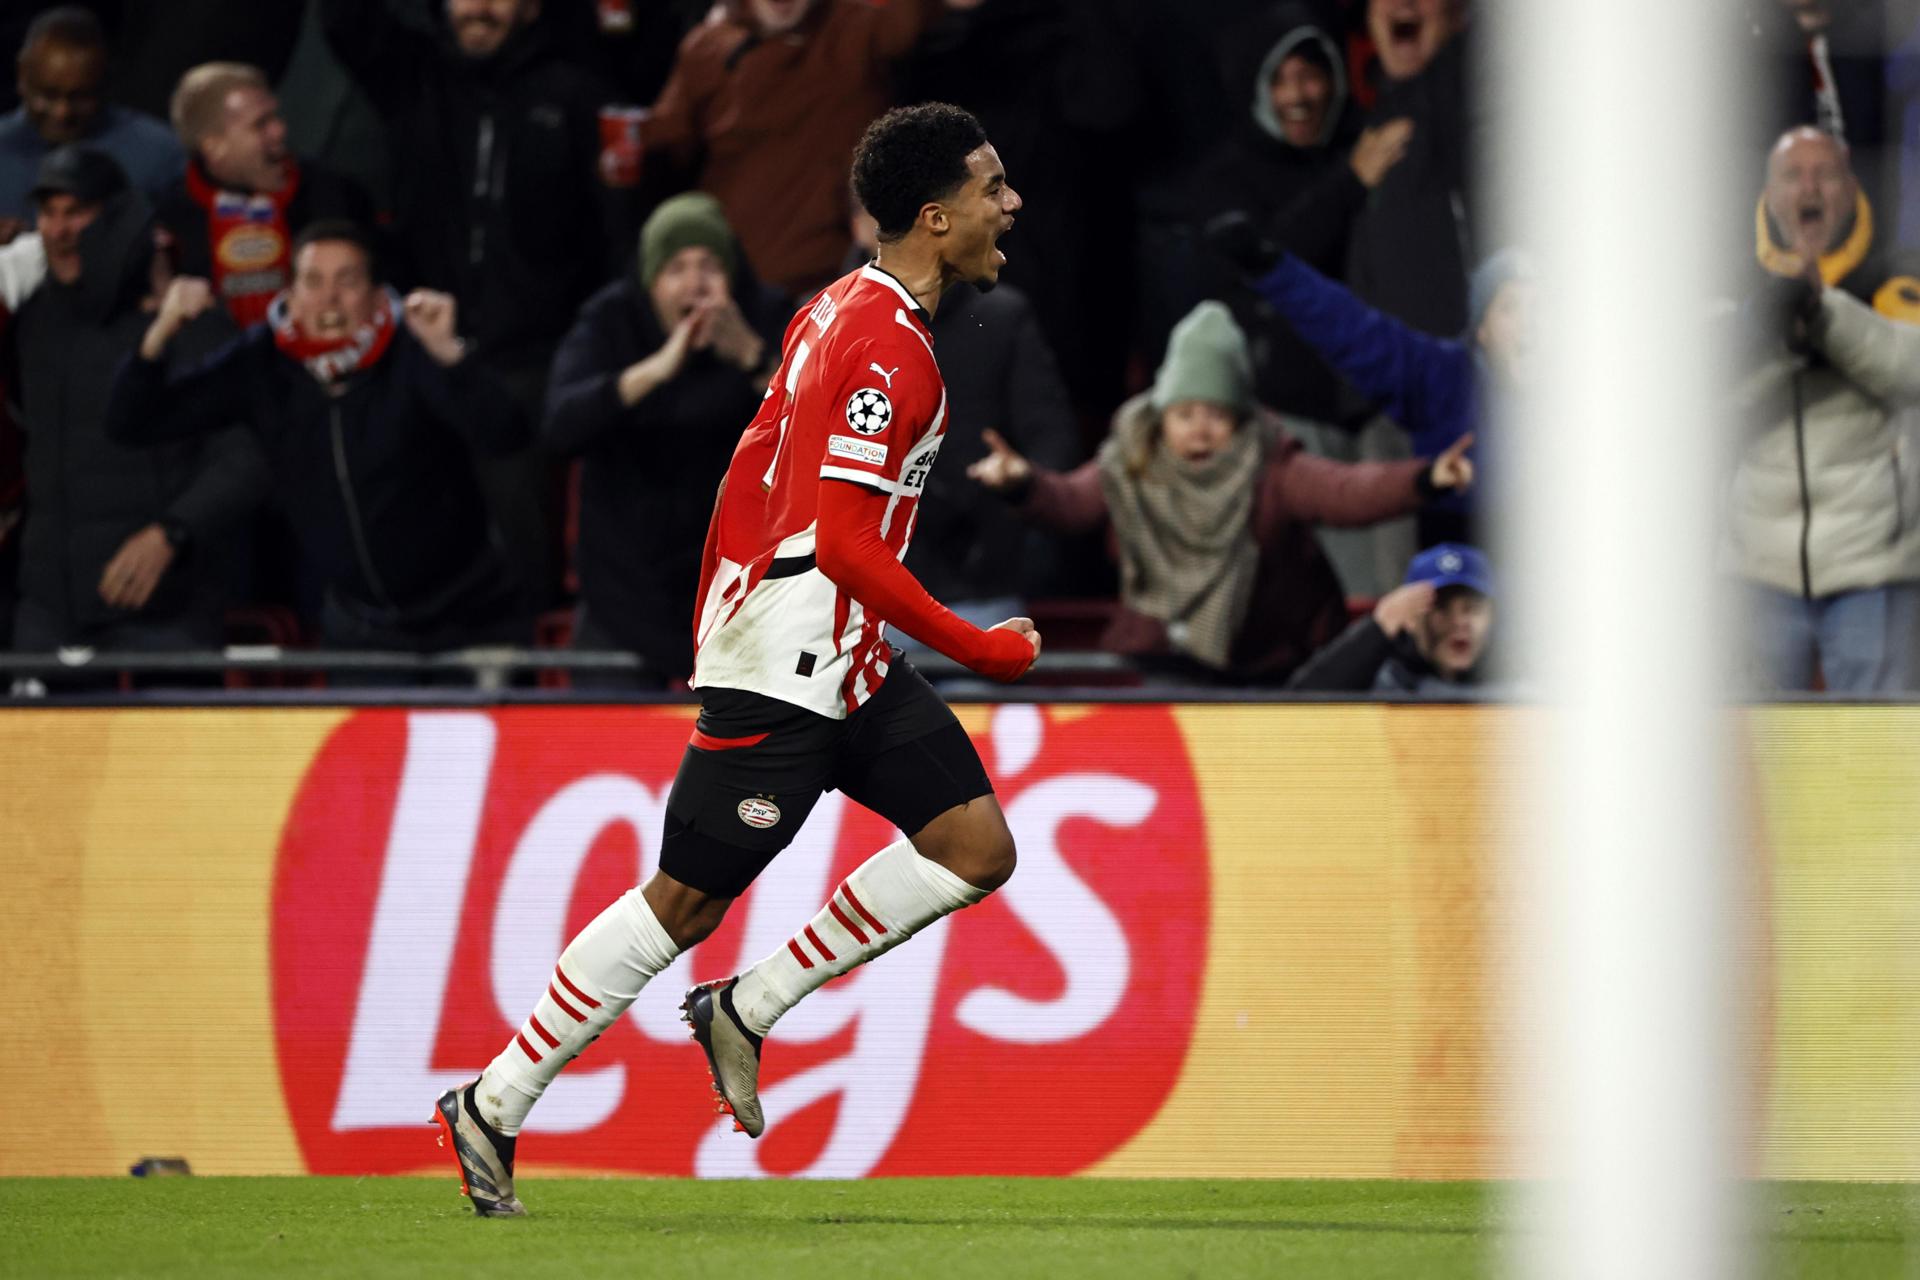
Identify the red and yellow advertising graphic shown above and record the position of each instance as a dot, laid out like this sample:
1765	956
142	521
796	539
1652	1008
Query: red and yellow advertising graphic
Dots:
1245	940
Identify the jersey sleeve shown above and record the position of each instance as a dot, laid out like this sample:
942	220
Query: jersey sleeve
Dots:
882	403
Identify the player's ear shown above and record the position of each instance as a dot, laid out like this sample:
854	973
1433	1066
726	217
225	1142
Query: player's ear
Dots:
933	216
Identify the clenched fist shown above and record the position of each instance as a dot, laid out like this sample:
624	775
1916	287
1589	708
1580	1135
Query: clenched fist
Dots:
186	299
433	318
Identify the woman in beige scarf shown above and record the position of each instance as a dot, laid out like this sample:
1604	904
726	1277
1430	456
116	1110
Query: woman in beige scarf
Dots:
1209	504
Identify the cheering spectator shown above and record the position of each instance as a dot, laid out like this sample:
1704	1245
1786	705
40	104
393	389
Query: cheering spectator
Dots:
122	548
63	66
244	197
1821	511
1210	504
1435	388
969	549
1426	637
653	386
1301	168
1409	248
764	106
364	406
1830	65
499	203
498	196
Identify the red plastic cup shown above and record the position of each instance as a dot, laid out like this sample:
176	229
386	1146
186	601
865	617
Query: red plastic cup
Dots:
620	145
616	16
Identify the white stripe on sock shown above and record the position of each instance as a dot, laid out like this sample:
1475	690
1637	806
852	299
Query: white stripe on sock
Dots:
598	976
888	898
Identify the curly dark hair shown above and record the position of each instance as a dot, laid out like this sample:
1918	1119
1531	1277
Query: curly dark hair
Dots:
912	155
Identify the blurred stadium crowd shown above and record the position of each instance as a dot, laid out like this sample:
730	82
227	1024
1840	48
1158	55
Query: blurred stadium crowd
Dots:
413	325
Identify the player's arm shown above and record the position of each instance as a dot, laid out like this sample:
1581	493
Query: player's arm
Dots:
882	407
850	551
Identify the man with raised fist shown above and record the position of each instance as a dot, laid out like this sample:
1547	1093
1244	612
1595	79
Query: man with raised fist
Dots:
364	405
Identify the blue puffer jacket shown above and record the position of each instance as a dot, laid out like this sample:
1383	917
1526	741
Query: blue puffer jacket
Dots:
1430	386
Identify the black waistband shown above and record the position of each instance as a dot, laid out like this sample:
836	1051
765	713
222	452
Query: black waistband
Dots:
788	566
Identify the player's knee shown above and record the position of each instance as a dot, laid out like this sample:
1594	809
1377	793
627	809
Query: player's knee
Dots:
995	860
687	914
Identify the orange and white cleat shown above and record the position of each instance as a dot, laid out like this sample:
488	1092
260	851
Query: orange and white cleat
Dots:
733	1053
483	1155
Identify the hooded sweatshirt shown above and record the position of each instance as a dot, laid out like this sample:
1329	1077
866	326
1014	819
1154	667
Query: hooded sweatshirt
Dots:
86	494
1305	199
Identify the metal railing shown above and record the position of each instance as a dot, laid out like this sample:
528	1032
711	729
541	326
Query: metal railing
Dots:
491	668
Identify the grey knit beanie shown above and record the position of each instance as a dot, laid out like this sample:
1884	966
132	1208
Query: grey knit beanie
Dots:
1206	360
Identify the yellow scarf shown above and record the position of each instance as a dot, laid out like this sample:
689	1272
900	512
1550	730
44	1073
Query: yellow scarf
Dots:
1836	264
1897	297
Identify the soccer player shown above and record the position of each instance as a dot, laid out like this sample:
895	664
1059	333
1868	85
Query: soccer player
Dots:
800	692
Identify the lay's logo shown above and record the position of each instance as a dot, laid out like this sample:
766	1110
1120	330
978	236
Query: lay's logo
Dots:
435	863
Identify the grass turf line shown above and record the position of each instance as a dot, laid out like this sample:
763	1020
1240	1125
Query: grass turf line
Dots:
995	1228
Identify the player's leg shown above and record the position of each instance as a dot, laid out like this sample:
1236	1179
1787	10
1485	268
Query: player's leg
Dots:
950	860
909	760
598	975
743	749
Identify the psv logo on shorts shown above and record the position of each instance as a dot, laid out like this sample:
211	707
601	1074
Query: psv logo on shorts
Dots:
757	813
869	411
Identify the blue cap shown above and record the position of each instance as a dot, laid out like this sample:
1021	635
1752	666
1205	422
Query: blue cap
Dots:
1452	564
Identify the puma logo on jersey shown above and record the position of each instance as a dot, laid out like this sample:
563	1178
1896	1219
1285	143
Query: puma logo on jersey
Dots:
885	373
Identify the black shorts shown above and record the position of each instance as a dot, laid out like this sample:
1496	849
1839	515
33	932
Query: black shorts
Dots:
757	765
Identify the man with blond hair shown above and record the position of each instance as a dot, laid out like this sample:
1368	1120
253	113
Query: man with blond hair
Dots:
244	197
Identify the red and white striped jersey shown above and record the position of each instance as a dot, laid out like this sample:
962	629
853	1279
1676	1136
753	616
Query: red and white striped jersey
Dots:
859	398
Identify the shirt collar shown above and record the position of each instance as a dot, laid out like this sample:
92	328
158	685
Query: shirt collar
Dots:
880	275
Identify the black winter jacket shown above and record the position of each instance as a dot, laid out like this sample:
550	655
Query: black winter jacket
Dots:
1412	247
968	544
497	190
649	472
376	482
87	494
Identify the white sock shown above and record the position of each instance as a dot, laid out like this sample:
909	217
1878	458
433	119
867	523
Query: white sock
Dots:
598	976
888	898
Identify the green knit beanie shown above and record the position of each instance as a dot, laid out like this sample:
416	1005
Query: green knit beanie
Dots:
684	221
1206	360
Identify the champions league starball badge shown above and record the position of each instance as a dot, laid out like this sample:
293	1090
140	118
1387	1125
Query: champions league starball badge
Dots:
869	411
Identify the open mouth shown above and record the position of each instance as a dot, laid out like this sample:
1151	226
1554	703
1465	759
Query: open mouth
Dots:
1405	32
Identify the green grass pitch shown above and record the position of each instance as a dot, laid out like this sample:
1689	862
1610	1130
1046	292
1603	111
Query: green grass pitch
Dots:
997	1228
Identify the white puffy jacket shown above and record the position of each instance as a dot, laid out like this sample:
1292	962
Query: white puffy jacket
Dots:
1823	500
